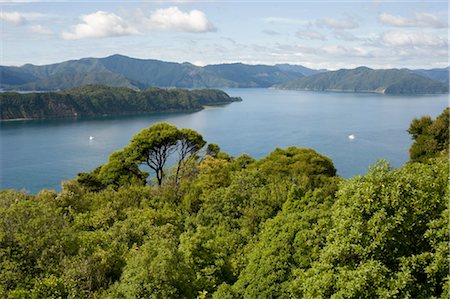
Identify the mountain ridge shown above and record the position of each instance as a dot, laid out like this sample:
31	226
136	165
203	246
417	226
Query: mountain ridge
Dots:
122	71
364	79
142	73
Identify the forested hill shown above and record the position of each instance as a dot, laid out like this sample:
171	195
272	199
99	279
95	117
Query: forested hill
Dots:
216	226
439	74
123	71
97	100
363	79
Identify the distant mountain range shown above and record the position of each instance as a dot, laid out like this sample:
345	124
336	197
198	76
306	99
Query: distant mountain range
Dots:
441	74
363	79
123	71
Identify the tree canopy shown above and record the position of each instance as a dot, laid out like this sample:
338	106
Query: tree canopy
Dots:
99	100
431	137
217	226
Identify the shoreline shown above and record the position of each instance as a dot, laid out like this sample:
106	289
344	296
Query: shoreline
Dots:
380	92
17	119
101	116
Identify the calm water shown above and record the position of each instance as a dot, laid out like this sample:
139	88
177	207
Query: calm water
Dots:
40	154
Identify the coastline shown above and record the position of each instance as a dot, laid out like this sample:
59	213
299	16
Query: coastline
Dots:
103	115
17	119
380	92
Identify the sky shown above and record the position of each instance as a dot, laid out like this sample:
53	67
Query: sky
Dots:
317	34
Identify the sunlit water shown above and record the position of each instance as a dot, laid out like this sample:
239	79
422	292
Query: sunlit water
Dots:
40	154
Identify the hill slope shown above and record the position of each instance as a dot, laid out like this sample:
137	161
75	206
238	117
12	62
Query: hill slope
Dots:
102	100
441	74
253	75
123	71
298	69
363	79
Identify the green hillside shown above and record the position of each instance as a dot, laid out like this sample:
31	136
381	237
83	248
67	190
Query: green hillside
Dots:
253	75
216	226
123	71
298	69
363	79
439	74
64	81
96	100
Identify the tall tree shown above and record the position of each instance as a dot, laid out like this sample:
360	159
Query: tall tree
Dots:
153	146
189	144
431	137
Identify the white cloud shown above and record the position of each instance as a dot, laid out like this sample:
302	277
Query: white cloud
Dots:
39	29
13	17
337	23
309	34
173	19
413	39
100	24
420	20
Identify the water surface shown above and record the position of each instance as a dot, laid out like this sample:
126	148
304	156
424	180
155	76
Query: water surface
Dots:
40	154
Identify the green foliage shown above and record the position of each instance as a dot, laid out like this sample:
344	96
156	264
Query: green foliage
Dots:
156	269
219	226
213	149
287	244
431	138
120	171
98	100
253	75
33	242
153	146
300	166
381	244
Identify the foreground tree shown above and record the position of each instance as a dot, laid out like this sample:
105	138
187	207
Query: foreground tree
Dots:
189	144
153	146
156	269
387	237
431	137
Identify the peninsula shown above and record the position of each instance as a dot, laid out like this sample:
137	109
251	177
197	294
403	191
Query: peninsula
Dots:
98	100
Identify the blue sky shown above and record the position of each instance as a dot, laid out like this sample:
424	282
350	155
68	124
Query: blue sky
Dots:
316	34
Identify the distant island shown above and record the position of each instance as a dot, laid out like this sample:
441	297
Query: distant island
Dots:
98	100
363	79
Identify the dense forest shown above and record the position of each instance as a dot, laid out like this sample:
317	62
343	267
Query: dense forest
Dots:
216	226
98	100
364	79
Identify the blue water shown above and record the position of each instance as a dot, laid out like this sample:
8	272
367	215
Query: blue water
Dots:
40	154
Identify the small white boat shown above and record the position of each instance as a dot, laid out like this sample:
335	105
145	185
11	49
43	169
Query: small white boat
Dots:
91	137
351	136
